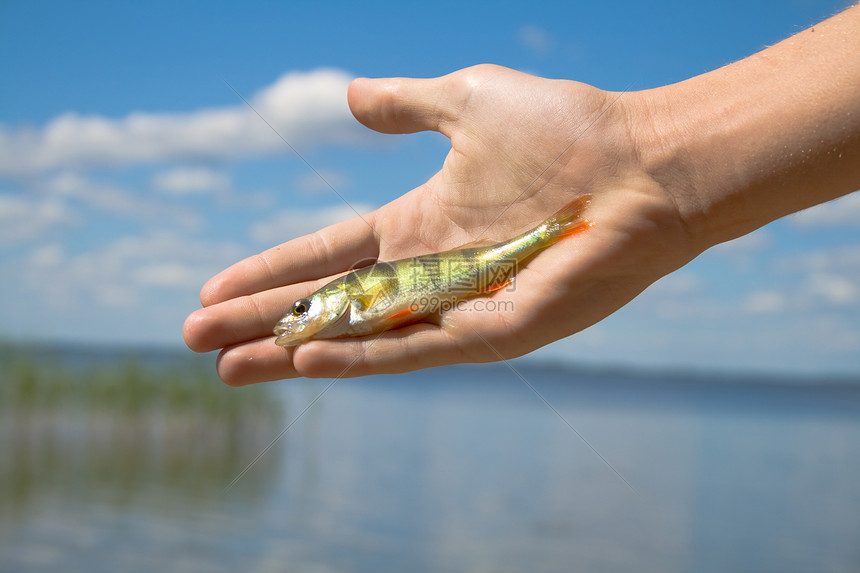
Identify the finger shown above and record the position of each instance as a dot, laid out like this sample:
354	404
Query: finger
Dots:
262	361
255	361
404	105
242	318
409	348
329	251
401	350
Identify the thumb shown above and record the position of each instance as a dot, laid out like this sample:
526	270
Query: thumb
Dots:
402	105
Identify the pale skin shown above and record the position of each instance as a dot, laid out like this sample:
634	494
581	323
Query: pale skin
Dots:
672	172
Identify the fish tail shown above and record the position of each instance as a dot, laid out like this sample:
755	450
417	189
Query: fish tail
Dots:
568	220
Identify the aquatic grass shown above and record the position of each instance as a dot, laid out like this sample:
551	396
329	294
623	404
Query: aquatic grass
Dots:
120	424
123	383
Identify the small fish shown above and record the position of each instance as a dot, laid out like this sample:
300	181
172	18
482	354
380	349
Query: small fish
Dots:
386	295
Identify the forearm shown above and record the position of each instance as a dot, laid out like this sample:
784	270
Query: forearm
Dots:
764	137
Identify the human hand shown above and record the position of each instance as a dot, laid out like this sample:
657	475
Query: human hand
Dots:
521	147
671	172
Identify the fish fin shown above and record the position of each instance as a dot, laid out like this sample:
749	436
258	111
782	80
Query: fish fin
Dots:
362	302
400	315
569	220
403	318
499	286
573	230
366	290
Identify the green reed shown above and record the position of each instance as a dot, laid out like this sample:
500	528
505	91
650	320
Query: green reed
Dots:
118	426
127	383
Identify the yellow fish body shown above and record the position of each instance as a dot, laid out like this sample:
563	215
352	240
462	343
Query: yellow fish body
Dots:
386	295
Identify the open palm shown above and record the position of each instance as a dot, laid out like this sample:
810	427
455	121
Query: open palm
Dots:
521	147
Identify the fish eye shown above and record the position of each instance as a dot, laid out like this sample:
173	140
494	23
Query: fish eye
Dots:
301	306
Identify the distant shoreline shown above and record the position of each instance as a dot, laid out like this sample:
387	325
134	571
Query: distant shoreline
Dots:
84	353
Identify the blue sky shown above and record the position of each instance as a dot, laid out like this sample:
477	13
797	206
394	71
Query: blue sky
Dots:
130	172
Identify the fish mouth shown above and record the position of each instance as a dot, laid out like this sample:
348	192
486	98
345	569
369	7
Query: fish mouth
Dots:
285	341
284	336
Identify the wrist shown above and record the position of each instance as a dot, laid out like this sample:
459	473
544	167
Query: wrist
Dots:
756	140
685	143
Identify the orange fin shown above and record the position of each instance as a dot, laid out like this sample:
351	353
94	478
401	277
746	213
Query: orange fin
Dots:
582	226
569	220
499	286
403	318
400	315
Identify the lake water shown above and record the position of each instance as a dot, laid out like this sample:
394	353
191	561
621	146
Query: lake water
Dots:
462	469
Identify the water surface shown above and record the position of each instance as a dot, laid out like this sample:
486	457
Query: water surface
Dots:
460	468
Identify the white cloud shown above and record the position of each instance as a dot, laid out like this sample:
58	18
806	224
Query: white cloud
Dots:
188	180
307	109
675	296
23	219
535	39
843	212
112	199
811	283
121	273
745	254
298	222
69	185
171	274
832	289
47	256
840	259
135	289
766	302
